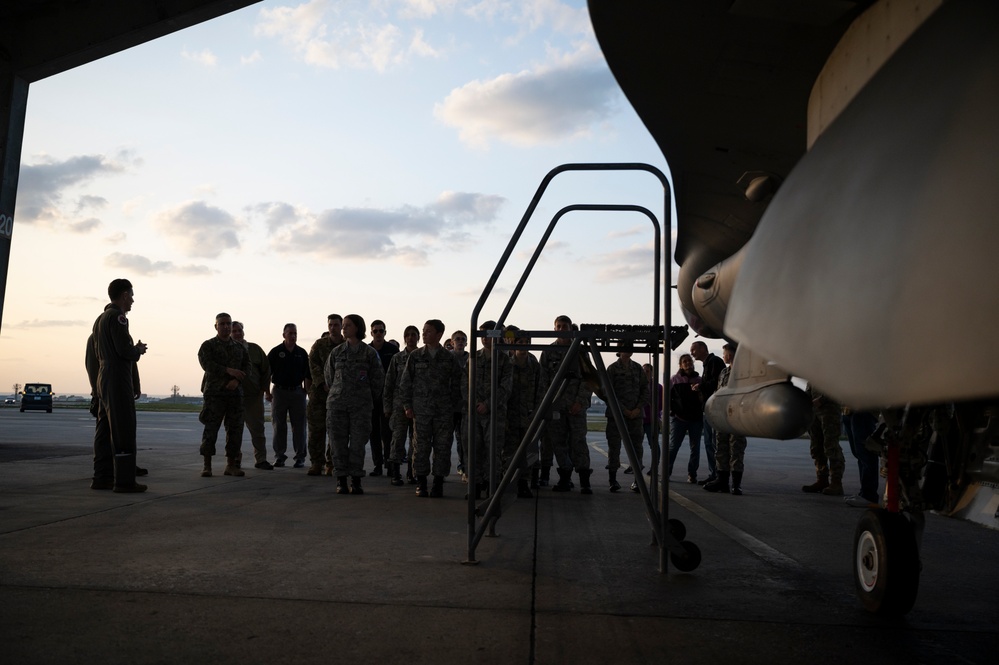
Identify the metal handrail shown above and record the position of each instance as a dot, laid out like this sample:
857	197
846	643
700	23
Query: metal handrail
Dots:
473	534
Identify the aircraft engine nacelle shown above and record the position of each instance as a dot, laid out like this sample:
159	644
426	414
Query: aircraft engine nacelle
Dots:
759	400
712	291
776	411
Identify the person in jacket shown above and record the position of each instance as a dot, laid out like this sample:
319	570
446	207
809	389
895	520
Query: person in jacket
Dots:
686	415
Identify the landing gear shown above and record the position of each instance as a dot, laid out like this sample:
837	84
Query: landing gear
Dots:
886	562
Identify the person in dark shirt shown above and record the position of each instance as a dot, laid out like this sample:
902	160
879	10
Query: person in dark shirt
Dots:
290	375
711	369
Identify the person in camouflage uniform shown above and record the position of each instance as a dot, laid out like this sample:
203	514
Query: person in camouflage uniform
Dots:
381	430
396	413
355	376
459	340
226	364
319	453
482	416
565	430
824	446
632	391
730	449
257	379
431	394
525	396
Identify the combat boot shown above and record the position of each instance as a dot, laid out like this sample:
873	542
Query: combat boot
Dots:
377	471
835	487
341	485
102	484
737	483
355	485
564	483
821	482
124	475
437	490
524	489
315	469
396	475
614	485
719	484
584	481
421	487
232	468
207	471
545	476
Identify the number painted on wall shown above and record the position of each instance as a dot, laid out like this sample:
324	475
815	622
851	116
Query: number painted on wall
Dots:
6	226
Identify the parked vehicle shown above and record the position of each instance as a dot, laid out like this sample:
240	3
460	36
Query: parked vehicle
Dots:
37	396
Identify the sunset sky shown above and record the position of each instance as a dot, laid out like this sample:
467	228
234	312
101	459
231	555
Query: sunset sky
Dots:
290	160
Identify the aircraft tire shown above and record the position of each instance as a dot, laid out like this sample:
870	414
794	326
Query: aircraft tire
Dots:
886	563
689	560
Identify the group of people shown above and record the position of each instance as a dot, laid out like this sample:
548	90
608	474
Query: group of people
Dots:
689	393
345	393
348	392
829	421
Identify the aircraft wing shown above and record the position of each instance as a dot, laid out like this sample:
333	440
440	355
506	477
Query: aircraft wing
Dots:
723	88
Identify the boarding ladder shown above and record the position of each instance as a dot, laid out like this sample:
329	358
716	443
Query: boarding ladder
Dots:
586	342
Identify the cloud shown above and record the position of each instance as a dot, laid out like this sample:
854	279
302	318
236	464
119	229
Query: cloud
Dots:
144	266
419	46
251	59
543	106
407	235
44	323
425	8
339	37
626	233
276	216
132	205
561	17
85	226
623	264
198	229
534	15
552	247
117	238
87	201
204	57
467	208
43	185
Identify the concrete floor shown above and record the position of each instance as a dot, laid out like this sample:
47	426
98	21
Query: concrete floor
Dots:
274	567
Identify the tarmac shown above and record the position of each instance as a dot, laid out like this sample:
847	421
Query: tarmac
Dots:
274	567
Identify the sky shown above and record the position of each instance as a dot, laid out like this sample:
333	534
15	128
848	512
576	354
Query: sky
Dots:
296	159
